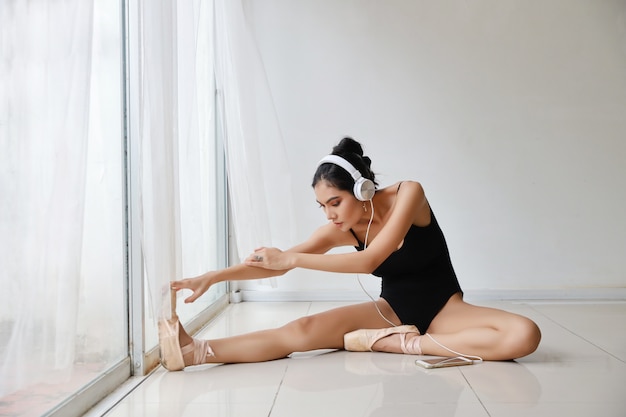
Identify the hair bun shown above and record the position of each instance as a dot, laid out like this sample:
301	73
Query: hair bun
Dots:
368	162
348	145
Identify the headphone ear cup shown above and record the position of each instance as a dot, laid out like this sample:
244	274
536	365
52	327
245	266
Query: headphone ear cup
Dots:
364	189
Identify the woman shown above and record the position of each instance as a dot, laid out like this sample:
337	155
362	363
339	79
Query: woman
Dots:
420	310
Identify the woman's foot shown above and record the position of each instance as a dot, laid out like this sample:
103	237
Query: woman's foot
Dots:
169	344
364	340
409	343
178	349
195	351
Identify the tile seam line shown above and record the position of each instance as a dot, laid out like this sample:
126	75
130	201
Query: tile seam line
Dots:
280	385
475	393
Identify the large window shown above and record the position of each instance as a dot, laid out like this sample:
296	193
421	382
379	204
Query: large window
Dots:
79	126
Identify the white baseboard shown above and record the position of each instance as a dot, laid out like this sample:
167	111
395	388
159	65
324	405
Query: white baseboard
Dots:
570	294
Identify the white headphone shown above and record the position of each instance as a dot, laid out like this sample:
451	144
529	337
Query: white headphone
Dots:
363	188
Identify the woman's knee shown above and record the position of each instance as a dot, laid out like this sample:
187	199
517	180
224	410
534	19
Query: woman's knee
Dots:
301	333
523	338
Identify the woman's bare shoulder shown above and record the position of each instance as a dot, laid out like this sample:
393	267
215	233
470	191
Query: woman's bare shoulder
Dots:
410	195
393	189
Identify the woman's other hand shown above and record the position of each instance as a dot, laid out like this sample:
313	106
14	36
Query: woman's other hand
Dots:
269	258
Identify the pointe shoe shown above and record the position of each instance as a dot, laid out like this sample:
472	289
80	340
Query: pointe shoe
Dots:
362	340
171	352
169	343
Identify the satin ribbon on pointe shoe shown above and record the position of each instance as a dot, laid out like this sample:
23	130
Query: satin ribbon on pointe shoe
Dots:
362	340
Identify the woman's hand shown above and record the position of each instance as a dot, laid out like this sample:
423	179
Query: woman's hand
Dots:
198	285
269	258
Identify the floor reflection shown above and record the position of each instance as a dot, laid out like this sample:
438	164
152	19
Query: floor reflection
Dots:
369	384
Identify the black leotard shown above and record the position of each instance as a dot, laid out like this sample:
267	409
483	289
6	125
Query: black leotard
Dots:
418	279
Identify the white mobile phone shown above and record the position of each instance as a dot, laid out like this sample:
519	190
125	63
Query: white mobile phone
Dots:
443	362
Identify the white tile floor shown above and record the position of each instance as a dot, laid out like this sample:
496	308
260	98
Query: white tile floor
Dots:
578	370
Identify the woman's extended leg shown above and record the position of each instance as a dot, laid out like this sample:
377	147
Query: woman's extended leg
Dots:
471	330
320	331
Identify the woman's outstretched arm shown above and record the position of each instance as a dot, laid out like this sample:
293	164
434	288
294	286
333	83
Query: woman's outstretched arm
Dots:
318	243
200	284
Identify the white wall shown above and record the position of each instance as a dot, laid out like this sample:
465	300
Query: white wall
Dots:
512	114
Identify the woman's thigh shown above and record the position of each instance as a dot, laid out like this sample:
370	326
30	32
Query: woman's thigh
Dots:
497	334
326	329
457	315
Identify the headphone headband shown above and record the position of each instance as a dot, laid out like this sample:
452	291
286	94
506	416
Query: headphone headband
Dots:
338	160
364	188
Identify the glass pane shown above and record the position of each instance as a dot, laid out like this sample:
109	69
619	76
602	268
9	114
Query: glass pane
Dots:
79	327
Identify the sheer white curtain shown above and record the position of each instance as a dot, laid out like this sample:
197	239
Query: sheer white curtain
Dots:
177	85
46	90
186	47
258	169
176	132
45	77
158	138
61	210
198	150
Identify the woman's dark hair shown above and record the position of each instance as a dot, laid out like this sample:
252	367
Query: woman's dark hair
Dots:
352	151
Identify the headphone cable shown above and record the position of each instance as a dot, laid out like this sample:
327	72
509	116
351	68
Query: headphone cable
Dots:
358	278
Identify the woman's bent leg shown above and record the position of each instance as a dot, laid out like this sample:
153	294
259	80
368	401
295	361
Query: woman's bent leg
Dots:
474	331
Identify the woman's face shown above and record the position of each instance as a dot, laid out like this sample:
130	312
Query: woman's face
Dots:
341	207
